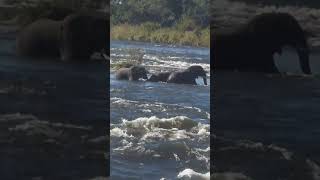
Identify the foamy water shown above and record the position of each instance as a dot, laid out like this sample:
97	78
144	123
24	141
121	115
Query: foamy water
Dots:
160	130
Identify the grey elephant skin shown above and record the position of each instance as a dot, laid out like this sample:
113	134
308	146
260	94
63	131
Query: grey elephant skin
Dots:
188	76
76	37
82	35
132	73
40	38
251	47
159	77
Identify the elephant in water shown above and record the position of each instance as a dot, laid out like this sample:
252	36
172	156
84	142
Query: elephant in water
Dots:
132	73
252	46
76	37
188	76
40	38
159	77
82	35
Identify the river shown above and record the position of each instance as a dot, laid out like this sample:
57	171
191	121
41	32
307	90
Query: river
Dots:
159	130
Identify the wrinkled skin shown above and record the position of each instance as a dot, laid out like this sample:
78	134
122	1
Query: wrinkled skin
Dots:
134	73
38	39
82	35
188	76
252	46
159	77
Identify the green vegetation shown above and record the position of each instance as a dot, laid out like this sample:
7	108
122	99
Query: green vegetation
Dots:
26	11
183	22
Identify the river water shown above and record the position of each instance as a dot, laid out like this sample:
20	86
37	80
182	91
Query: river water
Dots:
159	130
50	112
267	126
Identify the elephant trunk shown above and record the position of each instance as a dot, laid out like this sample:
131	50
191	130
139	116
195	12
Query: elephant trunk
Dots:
104	55
303	54
205	80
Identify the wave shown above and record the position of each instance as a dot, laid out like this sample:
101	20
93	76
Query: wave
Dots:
178	139
260	161
157	107
156	63
189	174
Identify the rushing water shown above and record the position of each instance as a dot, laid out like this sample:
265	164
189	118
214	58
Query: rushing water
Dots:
77	89
159	130
53	102
267	126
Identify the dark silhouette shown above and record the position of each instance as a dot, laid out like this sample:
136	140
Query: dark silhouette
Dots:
82	35
252	46
188	76
159	77
40	38
76	37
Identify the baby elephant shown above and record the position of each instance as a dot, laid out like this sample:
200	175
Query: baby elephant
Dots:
188	76
132	73
159	77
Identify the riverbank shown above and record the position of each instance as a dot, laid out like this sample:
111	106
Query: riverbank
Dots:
170	35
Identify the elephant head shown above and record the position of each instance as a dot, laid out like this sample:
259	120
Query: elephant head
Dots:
251	46
132	73
273	31
82	35
137	72
197	71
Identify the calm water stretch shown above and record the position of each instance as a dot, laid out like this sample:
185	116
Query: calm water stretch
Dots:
159	130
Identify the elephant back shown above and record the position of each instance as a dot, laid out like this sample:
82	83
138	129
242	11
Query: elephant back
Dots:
84	34
40	38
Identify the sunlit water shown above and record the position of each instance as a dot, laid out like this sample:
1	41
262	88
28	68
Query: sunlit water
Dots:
159	130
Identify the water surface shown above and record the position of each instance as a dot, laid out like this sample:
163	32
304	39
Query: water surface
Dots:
158	130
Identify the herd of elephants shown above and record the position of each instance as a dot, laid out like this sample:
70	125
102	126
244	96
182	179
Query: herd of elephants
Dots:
250	47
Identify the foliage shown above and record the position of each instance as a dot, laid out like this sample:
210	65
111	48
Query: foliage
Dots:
197	37
164	12
30	10
162	21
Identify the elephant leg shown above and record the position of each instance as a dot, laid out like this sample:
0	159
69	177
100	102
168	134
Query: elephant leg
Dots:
270	66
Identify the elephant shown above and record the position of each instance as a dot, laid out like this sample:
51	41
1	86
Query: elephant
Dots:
188	76
82	35
159	77
251	47
75	38
132	73
38	39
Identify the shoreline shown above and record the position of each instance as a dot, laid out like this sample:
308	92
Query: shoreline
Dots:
165	35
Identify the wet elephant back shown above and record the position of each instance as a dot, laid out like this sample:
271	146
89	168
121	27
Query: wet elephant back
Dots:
41	38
